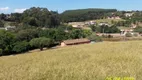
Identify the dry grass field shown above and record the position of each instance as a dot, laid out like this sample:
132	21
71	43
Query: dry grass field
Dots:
82	62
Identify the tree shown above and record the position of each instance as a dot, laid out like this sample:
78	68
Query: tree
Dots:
41	42
27	34
113	29
21	47
94	28
2	16
1	24
87	33
6	41
76	34
138	29
16	17
40	17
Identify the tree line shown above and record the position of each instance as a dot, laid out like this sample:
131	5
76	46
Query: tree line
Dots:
23	40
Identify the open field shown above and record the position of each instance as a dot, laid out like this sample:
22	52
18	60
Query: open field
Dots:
82	62
108	20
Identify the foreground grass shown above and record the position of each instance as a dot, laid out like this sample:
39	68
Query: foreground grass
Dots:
82	62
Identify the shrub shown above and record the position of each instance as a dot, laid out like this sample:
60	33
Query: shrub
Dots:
128	34
95	38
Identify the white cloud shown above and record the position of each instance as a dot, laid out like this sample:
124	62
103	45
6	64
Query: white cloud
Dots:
4	9
20	10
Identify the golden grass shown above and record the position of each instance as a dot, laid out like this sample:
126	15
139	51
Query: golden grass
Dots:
82	62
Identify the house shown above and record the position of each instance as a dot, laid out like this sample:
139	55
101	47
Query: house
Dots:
10	27
129	14
87	23
133	26
114	17
77	24
74	42
124	31
92	22
103	23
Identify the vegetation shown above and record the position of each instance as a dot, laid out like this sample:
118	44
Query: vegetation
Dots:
21	47
36	26
28	39
85	14
84	62
41	42
35	16
40	17
109	21
105	29
1	24
95	38
138	29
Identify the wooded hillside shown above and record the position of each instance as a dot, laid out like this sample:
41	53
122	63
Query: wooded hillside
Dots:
85	14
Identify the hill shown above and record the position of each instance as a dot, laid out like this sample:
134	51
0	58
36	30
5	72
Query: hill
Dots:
83	62
85	14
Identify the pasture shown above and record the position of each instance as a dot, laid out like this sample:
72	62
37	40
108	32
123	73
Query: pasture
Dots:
81	62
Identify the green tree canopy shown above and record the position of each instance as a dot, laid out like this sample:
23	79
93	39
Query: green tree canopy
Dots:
21	47
1	24
41	17
41	42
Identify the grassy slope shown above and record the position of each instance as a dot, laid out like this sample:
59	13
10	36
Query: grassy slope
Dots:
108	20
82	62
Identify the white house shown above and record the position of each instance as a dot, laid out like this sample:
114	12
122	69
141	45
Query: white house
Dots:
124	31
129	14
103	23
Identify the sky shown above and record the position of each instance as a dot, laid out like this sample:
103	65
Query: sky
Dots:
9	6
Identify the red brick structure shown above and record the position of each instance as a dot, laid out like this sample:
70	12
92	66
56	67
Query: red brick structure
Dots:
75	42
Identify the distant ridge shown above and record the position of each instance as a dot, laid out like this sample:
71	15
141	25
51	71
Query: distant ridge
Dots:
85	14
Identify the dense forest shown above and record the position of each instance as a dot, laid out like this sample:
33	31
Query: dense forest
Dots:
85	14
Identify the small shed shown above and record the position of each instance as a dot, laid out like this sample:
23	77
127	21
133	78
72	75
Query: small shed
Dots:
75	42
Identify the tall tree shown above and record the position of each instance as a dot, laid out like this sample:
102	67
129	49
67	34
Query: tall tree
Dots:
41	17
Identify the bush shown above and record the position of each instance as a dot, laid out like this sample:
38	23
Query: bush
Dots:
21	47
128	34
95	38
